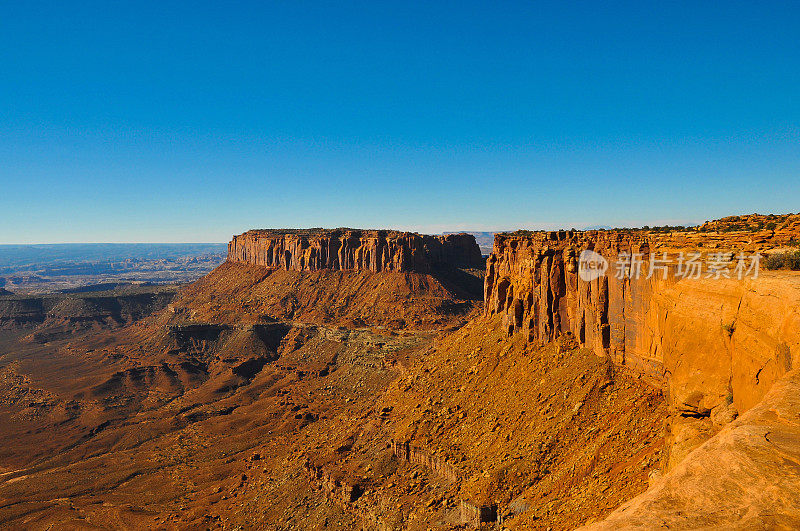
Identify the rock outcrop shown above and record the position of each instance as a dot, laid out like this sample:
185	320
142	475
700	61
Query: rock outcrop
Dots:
708	341
746	477
352	249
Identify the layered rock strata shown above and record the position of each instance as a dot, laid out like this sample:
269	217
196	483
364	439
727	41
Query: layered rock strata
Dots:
352	249
708	341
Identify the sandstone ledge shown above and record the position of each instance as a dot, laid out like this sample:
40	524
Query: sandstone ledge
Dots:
746	477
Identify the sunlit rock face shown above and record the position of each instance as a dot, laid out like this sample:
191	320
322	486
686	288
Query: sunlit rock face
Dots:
352	249
707	341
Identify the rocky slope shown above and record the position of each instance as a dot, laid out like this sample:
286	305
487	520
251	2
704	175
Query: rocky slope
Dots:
238	292
523	431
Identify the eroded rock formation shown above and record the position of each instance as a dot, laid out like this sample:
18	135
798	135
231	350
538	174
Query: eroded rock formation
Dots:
352	249
744	478
709	341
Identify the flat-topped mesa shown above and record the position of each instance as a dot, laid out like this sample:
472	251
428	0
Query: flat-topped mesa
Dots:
353	249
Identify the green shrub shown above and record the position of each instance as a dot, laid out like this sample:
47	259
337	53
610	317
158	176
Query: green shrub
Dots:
729	328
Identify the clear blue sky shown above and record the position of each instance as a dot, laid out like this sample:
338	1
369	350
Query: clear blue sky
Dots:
164	121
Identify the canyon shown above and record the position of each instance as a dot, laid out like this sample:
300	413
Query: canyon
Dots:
378	379
38	269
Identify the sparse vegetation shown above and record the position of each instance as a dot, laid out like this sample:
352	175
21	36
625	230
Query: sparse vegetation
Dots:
748	223
789	260
668	228
730	328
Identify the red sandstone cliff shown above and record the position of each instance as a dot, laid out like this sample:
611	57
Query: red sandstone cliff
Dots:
352	249
715	345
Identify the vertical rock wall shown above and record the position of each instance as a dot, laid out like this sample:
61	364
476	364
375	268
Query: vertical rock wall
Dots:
707	341
348	249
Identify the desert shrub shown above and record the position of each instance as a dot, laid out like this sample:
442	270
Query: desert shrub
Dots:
783	261
729	398
729	328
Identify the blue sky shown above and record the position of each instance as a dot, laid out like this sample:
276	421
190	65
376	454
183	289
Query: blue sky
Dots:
167	121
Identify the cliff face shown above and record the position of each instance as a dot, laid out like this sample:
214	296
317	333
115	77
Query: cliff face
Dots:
707	341
351	249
